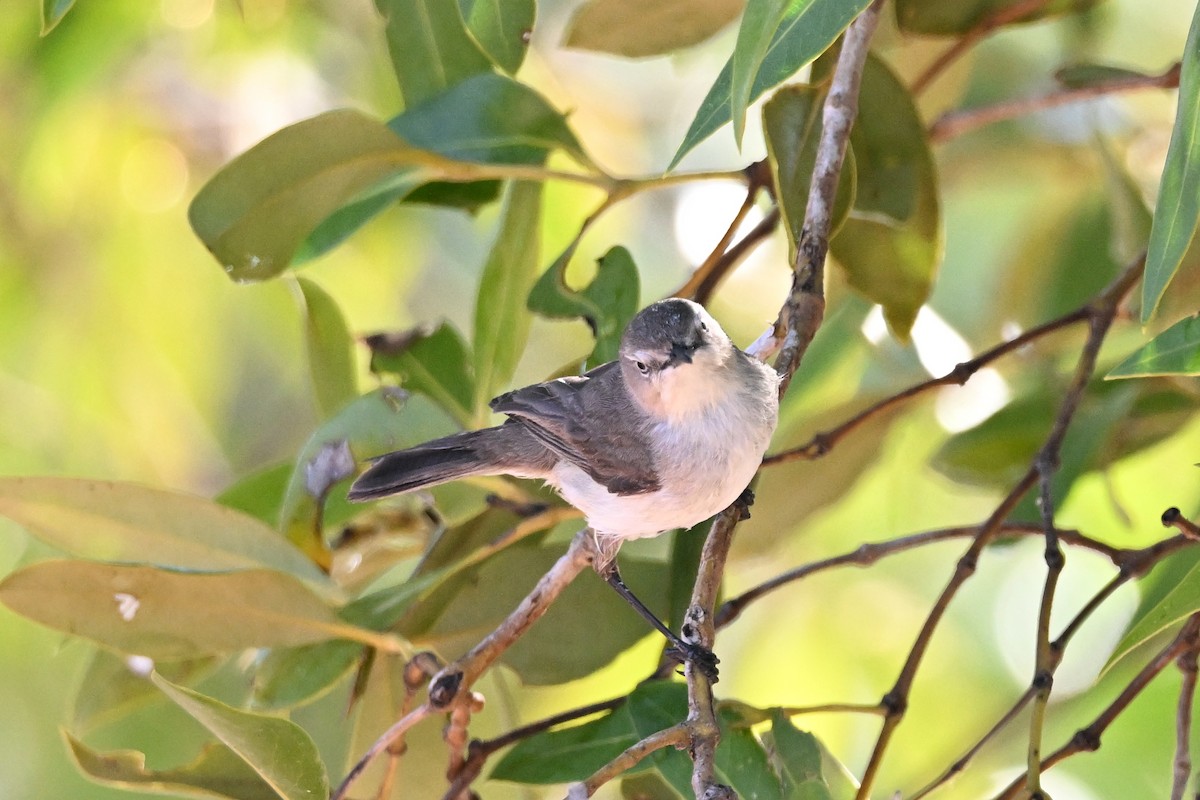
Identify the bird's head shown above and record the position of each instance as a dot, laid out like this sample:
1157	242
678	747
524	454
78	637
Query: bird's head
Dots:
676	359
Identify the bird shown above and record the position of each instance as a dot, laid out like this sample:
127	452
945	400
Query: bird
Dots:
665	436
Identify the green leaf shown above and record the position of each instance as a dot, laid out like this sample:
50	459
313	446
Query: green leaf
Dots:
797	755
288	677
173	615
501	319
1079	76
742	763
640	28
760	22
1180	602
430	47
134	524
1130	218
216	772
501	28
1178	206
113	686
330	349
1175	351
792	129
52	13
432	361
808	27
892	241
954	17
254	214
258	494
277	749
606	304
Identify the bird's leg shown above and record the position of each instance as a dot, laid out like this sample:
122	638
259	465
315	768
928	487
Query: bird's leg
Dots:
701	657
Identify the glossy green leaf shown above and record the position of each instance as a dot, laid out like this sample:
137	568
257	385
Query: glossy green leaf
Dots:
501	28
805	31
114	686
254	214
798	758
742	763
1175	351
954	17
760	22
172	615
572	754
432	361
1079	76
287	677
640	28
501	318
330	349
430	47
606	304
52	13
792	129
891	243
125	522
277	749
1178	207
216	772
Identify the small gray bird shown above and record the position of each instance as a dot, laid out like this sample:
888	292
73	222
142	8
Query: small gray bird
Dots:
664	437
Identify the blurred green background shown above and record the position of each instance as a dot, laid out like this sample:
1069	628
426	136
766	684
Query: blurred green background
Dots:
127	354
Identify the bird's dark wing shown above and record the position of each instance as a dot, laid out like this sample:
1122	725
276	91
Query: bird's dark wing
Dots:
574	417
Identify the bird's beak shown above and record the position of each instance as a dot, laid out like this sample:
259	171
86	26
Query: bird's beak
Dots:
681	352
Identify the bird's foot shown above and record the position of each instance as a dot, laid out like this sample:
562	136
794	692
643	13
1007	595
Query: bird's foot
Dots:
698	656
743	503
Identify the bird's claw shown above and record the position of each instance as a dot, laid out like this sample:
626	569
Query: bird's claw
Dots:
698	656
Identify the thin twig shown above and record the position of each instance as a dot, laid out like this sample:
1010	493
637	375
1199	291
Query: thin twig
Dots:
389	737
867	554
956	123
676	735
1004	16
823	442
1087	739
1101	312
1183	723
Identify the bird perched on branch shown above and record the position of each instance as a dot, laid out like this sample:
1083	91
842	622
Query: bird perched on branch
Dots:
664	437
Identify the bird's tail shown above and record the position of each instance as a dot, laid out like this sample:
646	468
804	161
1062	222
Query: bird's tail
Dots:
428	464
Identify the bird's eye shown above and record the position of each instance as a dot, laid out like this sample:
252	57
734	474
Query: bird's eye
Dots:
642	368
703	327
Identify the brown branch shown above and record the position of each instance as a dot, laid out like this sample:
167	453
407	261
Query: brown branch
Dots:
1183	723
957	123
1101	313
867	554
389	738
823	442
1004	16
1087	739
677	735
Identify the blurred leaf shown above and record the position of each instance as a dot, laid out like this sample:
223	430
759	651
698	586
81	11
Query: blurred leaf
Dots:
797	755
501	28
953	17
686	547
124	522
760	23
792	129
338	226
1160	409
216	772
892	241
430	47
1178	206
255	213
173	615
501	319
807	28
258	494
742	763
330	349
277	749
1130	217
1180	602
639	28
1175	351
52	13
287	677
606	304
114	686
648	786
432	361
1079	76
